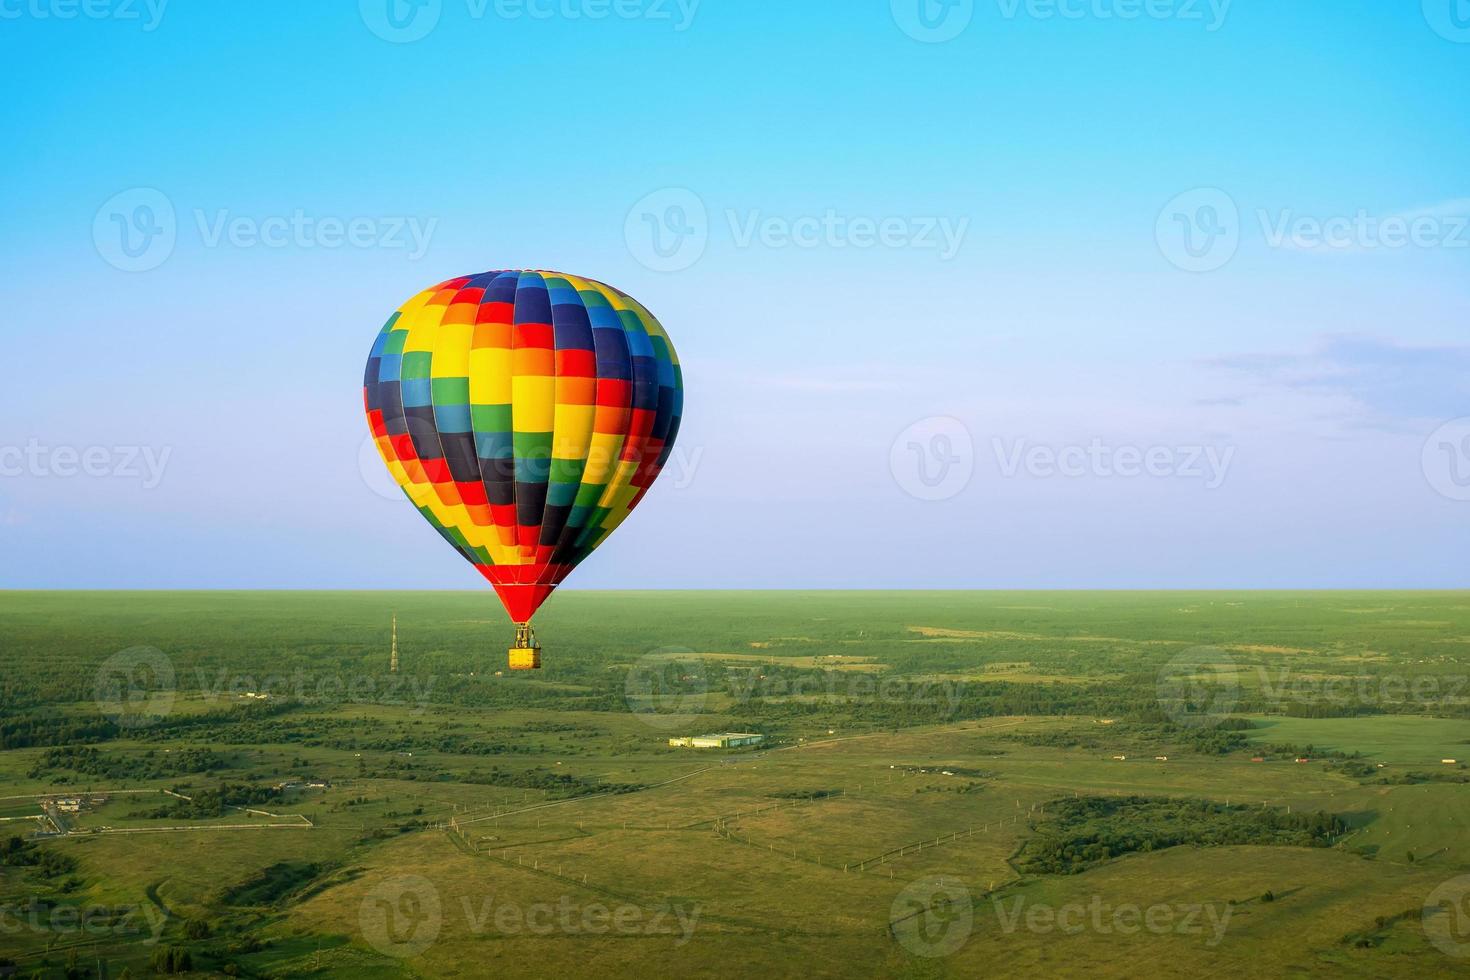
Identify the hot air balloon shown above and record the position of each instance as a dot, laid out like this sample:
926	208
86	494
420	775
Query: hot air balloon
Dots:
525	414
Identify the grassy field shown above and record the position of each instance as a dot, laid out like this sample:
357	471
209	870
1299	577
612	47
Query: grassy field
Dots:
953	784
1393	740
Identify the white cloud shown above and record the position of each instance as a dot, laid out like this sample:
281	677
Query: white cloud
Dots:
1365	381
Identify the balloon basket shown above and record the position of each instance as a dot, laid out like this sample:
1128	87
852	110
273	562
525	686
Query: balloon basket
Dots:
526	654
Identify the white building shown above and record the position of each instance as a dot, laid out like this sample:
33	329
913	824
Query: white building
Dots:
729	740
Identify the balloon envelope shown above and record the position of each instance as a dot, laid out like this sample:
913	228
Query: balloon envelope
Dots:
525	415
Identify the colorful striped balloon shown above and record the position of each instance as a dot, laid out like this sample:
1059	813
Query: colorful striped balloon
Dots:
525	414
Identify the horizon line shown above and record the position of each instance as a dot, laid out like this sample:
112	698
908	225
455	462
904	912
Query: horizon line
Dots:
747	589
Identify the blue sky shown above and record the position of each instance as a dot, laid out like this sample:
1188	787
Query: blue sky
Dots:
1093	293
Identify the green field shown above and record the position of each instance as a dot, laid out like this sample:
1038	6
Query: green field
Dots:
953	784
1395	740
